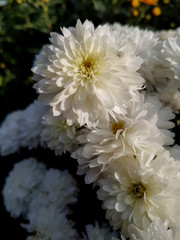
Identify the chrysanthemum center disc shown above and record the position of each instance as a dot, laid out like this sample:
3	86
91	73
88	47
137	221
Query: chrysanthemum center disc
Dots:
117	126
87	68
137	190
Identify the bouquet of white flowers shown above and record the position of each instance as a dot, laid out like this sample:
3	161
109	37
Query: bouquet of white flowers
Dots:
109	97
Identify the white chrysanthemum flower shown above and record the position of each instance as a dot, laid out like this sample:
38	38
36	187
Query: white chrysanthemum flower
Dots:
9	132
156	230
88	74
97	233
144	39
57	188
50	223
30	124
143	128
22	128
171	52
58	135
25	176
148	47
131	190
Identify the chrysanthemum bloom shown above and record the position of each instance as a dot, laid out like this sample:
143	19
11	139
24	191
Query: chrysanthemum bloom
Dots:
88	74
9	134
147	47
24	177
30	124
143	128
57	188
155	230
22	128
58	135
131	190
97	232
49	223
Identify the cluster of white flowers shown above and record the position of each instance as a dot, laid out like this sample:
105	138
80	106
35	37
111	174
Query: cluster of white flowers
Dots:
113	93
41	196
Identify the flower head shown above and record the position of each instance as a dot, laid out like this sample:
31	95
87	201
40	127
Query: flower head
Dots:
88	74
49	223
143	128
22	128
97	232
131	190
157	229
58	135
58	188
9	133
24	177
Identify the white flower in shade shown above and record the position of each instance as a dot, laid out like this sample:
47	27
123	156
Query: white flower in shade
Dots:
9	132
135	187
88	74
143	128
58	135
170	94
156	230
30	124
57	188
22	128
25	176
49	223
171	52
97	233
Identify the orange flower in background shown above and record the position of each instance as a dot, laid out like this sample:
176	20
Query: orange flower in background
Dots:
156	11
149	2
135	3
135	12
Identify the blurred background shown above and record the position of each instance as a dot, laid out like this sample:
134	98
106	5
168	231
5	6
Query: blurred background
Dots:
24	28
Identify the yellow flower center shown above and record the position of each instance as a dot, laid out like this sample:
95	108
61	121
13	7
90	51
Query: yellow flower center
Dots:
137	190
117	126
88	68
